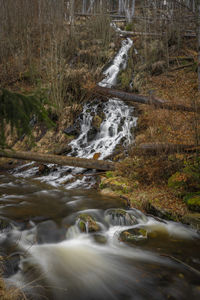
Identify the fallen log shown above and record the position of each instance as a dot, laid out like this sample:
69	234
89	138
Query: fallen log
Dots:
156	148
130	97
181	67
60	160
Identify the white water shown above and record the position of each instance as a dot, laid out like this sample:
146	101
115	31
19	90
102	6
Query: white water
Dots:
78	268
115	129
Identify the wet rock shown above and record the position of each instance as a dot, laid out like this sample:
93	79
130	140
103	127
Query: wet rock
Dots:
87	224
72	130
91	134
111	131
160	212
43	170
48	232
117	217
5	223
133	235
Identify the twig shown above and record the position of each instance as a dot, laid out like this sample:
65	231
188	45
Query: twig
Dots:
182	263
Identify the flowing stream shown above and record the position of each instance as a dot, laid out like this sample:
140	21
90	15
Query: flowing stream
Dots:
63	242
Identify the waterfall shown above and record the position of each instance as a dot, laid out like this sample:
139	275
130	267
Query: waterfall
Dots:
115	128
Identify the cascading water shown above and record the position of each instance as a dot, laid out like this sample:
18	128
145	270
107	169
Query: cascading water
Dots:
118	120
127	257
73	245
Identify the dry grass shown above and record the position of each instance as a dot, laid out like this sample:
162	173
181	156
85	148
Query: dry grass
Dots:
10	293
158	125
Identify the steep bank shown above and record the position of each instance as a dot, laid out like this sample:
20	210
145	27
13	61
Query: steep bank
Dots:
143	180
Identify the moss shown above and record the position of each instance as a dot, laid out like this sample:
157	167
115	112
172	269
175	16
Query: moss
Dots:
177	181
87	223
129	27
101	186
134	235
187	180
109	174
193	201
96	122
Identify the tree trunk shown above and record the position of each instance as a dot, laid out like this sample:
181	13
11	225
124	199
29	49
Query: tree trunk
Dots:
198	33
60	160
158	103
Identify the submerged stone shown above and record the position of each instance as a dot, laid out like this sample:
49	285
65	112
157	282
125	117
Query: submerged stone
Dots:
100	238
49	232
133	235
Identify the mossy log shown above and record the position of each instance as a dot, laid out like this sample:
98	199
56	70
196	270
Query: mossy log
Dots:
130	97
60	160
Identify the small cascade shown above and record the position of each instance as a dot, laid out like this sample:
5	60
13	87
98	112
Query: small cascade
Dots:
106	264
116	121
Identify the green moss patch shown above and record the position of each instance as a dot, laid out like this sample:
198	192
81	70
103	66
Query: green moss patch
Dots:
193	201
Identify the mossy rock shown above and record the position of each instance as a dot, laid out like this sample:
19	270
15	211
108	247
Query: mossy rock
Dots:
96	122
116	184
193	201
117	217
87	224
134	235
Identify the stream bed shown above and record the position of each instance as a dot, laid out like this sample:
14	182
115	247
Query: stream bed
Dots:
78	244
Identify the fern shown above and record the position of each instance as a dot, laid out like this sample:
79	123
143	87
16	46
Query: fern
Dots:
17	110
